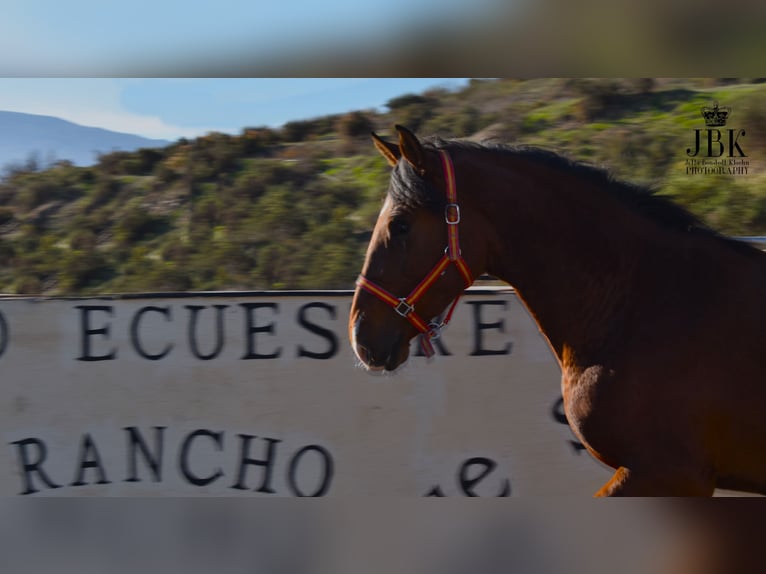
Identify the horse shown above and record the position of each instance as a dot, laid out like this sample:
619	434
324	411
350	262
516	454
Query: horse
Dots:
657	321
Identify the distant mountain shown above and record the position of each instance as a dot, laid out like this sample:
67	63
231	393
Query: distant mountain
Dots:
49	138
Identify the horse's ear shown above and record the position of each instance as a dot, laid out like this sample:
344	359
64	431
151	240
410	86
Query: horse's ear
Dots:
411	149
390	151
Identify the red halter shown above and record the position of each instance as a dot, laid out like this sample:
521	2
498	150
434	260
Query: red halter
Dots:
405	306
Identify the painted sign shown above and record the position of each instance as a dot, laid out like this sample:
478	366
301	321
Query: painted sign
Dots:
258	394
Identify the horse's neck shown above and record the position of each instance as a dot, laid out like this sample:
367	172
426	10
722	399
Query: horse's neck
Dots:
571	256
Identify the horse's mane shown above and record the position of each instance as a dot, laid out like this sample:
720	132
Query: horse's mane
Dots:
408	189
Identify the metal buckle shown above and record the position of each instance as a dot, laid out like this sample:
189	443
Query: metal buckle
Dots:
447	218
404	308
434	331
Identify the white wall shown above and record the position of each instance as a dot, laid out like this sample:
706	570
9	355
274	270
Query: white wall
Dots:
146	396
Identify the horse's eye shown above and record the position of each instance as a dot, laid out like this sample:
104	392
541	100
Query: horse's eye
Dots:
399	226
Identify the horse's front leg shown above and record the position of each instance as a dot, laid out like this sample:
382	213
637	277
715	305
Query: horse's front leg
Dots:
666	482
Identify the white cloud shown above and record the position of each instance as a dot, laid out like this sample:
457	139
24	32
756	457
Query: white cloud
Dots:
87	101
147	126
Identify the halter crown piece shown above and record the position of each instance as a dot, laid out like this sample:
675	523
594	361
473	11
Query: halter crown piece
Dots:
405	306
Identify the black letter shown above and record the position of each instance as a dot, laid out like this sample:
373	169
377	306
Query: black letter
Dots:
244	460
153	461
697	149
710	142
327	475
467	484
435	491
438	347
317	330
194	309
87	331
3	334
134	332
251	329
184	457
86	447
478	347
28	467
734	144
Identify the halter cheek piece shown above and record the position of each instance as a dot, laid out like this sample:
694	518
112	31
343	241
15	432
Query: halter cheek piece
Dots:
405	306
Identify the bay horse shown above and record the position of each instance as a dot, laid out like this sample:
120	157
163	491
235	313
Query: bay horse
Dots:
657	321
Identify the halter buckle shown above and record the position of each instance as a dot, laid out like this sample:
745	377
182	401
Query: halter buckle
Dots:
452	213
434	331
404	308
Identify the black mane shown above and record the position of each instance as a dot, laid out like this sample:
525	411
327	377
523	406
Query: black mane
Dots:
411	191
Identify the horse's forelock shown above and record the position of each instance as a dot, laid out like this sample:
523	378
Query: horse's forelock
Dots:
411	191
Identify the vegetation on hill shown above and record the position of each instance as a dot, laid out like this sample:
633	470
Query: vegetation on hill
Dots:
292	207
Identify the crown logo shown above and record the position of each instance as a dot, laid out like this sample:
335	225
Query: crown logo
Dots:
715	116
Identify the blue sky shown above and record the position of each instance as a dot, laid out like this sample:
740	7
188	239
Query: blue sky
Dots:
170	108
85	60
93	37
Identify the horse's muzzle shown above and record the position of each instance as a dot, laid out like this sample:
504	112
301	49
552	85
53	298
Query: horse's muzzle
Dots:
380	357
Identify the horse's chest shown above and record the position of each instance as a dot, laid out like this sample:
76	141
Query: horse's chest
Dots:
593	412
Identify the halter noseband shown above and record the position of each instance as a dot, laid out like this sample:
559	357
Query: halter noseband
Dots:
405	306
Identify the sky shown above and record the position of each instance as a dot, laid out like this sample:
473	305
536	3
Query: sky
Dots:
171	38
93	37
170	108
132	66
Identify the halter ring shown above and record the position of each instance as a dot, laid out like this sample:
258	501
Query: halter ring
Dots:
434	331
449	210
404	308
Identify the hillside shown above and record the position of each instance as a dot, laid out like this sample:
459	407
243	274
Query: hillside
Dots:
293	207
25	136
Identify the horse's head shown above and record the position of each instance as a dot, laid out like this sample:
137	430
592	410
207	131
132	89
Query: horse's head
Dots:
415	265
